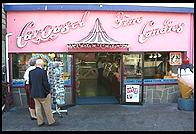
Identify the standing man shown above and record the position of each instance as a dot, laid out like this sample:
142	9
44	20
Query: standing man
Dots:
40	91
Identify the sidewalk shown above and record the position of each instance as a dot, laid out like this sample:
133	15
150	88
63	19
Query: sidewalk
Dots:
106	117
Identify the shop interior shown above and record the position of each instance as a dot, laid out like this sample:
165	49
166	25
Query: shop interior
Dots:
80	73
97	77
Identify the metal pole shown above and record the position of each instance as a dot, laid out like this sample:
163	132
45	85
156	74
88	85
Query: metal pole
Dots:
6	56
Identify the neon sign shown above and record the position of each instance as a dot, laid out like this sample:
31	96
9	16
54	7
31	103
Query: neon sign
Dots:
126	20
47	33
147	33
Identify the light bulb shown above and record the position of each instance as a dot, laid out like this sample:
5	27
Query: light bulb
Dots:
159	55
150	56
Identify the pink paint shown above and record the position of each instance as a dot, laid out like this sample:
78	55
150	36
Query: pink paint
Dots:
127	32
190	53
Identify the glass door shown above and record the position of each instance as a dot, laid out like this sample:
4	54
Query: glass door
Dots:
132	78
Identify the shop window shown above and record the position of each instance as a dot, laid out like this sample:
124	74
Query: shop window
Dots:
19	65
156	65
132	65
20	62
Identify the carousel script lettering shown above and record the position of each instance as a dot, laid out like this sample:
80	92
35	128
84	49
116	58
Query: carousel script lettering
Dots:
47	33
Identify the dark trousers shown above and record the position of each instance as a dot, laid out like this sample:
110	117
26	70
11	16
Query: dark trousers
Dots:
30	100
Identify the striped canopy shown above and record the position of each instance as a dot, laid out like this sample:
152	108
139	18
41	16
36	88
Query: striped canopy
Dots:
98	35
96	38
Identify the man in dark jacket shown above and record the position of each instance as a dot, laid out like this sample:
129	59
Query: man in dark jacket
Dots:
40	91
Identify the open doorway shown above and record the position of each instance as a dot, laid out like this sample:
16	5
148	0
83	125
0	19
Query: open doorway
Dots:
97	78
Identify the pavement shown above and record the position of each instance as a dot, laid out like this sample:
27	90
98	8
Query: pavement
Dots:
106	117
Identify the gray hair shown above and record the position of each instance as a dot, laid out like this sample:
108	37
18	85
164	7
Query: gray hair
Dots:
39	62
32	62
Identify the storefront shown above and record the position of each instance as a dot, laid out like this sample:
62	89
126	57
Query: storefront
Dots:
140	51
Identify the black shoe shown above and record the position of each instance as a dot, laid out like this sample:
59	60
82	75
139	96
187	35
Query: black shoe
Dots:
54	124
41	124
32	118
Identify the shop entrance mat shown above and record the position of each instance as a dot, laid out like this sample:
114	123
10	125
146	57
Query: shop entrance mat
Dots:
97	100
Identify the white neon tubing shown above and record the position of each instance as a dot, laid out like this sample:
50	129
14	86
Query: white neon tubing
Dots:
6	55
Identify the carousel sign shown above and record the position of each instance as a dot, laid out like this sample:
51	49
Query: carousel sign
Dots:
47	33
97	38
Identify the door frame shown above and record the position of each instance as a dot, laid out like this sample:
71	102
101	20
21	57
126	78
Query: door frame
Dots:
122	87
74	74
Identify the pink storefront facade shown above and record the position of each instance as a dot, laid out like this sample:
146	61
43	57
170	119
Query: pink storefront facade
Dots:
137	32
142	31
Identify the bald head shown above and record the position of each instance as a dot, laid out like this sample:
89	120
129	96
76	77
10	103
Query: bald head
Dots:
39	63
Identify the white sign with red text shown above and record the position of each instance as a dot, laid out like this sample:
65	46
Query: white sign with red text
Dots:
132	93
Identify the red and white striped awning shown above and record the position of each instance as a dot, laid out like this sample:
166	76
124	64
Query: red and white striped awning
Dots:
97	39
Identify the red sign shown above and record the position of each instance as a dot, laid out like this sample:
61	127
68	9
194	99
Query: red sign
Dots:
175	58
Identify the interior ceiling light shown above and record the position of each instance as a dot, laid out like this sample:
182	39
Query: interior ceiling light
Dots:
155	56
159	55
151	56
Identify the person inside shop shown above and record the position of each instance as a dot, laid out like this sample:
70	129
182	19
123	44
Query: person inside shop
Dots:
30	100
170	73
41	92
100	66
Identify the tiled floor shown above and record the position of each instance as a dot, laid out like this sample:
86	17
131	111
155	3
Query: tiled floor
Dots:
92	93
89	88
